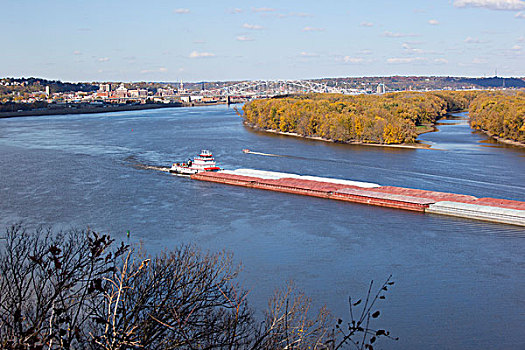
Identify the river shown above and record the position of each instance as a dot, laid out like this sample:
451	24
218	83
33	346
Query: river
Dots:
458	282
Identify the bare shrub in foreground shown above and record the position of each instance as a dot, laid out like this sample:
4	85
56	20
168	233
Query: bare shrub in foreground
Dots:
71	289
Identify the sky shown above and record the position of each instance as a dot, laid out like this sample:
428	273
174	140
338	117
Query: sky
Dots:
201	40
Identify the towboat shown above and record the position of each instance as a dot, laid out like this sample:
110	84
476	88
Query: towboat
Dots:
203	162
246	150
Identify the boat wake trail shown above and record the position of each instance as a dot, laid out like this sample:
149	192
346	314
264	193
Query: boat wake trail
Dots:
151	167
138	165
266	154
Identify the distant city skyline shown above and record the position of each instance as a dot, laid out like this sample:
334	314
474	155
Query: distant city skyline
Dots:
239	40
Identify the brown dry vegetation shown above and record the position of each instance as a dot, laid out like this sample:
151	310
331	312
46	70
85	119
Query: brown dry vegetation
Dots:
385	119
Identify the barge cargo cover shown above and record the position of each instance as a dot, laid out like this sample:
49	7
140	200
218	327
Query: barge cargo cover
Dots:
486	209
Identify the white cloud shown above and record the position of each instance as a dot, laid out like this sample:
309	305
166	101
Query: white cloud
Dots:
367	24
308	54
441	60
195	54
353	60
199	41
397	35
433	22
103	59
407	47
181	11
402	60
313	29
263	9
471	40
520	15
77	53
252	26
299	14
507	5
159	70
243	38
479	61
236	10
516	48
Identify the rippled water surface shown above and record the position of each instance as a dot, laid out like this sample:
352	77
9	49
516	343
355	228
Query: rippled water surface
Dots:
459	283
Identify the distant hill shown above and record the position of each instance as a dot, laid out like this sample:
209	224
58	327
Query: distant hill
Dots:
36	84
495	82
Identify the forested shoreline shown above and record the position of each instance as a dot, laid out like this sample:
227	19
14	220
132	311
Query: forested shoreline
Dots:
394	118
501	116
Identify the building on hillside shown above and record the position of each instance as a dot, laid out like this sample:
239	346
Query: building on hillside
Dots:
104	87
121	91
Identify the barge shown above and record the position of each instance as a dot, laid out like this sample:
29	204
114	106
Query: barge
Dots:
486	209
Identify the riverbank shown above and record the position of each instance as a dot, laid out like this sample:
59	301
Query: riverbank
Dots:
502	140
317	138
90	109
86	109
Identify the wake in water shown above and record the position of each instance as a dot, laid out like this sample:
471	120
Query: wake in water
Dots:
266	154
138	165
152	167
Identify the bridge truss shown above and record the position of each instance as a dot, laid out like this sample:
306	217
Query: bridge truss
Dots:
268	88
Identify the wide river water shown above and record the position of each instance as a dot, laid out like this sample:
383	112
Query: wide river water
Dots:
459	282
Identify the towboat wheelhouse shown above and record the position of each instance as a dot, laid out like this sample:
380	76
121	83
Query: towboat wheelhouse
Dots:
203	162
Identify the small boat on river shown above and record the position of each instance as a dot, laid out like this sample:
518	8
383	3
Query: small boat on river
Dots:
203	162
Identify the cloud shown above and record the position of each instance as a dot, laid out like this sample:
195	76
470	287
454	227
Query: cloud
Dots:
516	48
308	54
159	70
263	9
195	54
76	52
397	35
367	24
404	60
470	40
520	15
353	60
181	11
236	10
441	60
252	26
199	41
505	5
407	47
103	59
479	61
299	14
433	22
243	38
313	29
365	52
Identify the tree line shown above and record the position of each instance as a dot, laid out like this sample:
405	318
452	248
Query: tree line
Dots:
385	119
500	114
78	289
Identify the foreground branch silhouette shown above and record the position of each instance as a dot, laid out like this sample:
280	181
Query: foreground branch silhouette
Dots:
77	289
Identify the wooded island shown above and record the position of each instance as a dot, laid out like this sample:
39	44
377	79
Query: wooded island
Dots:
393	118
